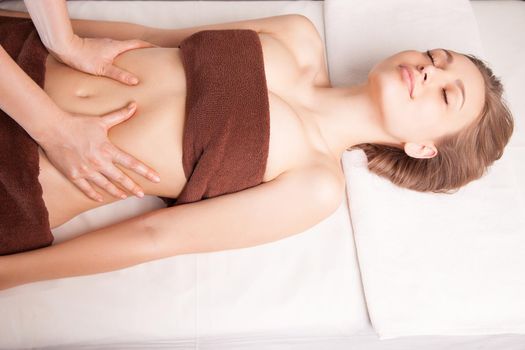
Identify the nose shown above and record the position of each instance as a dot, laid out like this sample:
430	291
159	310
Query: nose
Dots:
426	70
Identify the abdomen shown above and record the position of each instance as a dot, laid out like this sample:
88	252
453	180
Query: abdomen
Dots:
153	134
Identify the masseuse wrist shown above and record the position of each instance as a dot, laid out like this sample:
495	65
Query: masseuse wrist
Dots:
65	49
51	19
50	131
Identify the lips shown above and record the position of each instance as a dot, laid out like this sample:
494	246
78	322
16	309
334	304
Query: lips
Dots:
408	78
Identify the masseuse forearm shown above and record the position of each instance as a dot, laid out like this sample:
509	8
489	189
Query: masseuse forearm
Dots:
24	101
115	247
51	20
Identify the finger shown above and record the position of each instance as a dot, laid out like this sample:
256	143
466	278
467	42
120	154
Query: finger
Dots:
119	177
85	187
119	74
113	118
134	164
104	183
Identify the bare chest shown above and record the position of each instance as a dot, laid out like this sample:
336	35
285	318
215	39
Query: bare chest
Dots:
294	140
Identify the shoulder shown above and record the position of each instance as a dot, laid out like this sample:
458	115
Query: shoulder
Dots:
303	30
300	35
322	184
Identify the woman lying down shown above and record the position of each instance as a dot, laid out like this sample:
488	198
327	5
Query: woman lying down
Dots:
246	132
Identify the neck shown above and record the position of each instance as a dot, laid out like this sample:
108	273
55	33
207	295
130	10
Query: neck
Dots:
348	116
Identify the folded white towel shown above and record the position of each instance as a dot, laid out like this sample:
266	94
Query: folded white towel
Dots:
438	264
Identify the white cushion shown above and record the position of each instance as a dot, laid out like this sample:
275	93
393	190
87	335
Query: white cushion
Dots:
431	264
360	33
437	264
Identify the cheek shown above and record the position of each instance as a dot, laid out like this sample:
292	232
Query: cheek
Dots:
429	118
416	121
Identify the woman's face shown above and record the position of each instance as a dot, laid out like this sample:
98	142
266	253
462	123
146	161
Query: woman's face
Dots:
448	93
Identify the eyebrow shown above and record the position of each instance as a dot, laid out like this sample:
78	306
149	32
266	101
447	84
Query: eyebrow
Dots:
450	58
458	82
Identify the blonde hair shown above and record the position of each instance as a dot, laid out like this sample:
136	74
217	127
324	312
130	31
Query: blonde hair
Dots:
462	157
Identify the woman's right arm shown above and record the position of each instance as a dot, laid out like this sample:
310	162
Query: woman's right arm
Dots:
173	37
119	30
295	31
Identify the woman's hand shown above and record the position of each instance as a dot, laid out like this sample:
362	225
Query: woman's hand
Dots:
6	276
6	283
95	56
79	148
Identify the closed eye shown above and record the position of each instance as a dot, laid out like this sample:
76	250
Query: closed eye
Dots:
431	58
444	91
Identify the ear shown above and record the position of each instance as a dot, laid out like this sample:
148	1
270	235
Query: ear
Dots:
420	150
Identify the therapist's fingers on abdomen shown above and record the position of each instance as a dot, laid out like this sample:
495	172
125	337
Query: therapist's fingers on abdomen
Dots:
118	176
104	183
85	187
121	157
134	164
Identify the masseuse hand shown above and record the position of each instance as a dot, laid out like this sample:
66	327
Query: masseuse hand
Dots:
95	56
89	55
80	149
78	145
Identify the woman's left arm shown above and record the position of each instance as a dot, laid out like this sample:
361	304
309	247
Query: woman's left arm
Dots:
260	214
110	248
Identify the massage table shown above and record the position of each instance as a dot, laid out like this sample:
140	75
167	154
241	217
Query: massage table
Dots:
390	269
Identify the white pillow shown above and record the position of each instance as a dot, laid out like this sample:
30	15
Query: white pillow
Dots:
359	33
431	264
437	264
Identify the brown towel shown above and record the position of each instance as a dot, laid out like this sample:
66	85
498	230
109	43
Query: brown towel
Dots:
24	221
227	127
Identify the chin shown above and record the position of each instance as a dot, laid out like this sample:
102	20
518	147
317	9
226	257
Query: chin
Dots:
391	96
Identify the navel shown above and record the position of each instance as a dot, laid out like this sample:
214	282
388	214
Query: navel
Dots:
83	93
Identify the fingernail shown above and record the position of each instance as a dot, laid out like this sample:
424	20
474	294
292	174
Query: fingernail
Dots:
123	196
140	194
133	80
131	105
156	178
99	199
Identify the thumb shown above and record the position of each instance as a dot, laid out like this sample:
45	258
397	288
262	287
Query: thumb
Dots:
113	118
120	74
